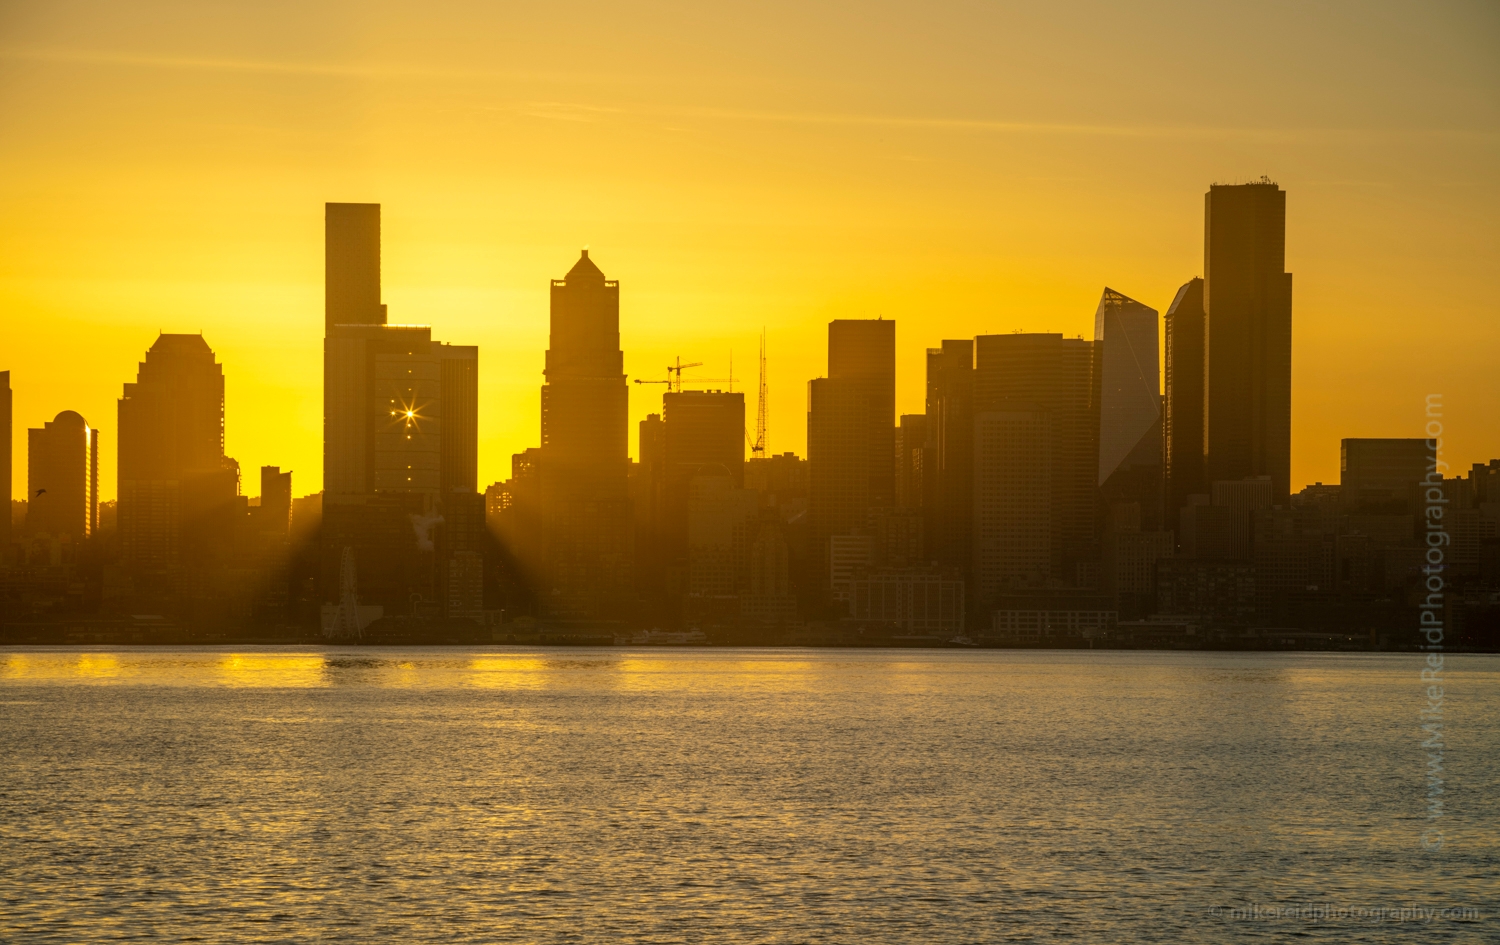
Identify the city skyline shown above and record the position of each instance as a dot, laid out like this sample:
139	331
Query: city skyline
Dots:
755	188
641	400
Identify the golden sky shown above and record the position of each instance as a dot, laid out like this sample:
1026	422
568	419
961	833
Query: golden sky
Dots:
960	167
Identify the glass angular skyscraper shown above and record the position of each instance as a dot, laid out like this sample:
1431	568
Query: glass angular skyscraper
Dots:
1130	452
1182	407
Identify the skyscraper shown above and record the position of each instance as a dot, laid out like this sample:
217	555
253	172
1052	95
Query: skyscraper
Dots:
1182	408
911	460
275	501
5	464
1130	446
704	434
862	354
851	429
587	546
949	472
173	474
62	478
1247	297
1013	509
400	433
1046	375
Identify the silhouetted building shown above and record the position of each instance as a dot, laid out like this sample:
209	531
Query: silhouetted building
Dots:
1247	295
921	602
62	478
1243	498
1378	474
911	459
703	434
1182	404
1128	558
458	391
862	353
768	599
948	471
351	265
851	428
1013	521
6	486
1218	590
1051	618
586	553
1046	386
176	486
275	500
1130	444
400	436
783	477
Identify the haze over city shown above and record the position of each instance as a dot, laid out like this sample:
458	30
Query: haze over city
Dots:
165	169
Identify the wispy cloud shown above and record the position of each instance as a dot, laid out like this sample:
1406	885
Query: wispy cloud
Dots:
583	112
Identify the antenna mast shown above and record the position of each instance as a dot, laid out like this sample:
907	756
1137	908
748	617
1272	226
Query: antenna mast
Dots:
760	447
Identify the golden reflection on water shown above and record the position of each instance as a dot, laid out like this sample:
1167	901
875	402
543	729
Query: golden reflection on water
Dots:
506	672
255	670
61	666
98	666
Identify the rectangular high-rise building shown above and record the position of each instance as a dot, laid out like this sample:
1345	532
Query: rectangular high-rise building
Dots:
6	485
1130	448
703	434
1377	475
948	473
1014	522
851	441
351	264
862	353
1247	298
1059	377
1182	406
911	460
400	436
458	391
275	500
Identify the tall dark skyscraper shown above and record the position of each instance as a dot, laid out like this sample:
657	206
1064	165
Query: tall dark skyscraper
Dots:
949	476
851	434
1038	393
172	469
703	433
1182	405
62	478
1130	450
862	354
586	562
1247	297
6	413
351	264
400	435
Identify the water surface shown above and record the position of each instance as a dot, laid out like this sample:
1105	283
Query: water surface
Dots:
710	795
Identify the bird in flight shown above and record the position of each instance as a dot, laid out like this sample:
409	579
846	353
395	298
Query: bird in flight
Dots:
40	491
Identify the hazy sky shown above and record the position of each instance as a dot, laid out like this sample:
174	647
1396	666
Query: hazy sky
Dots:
959	167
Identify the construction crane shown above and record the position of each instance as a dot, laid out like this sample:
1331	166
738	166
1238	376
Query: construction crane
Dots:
674	376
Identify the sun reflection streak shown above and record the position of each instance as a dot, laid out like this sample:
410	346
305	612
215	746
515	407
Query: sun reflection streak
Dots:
280	671
507	672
